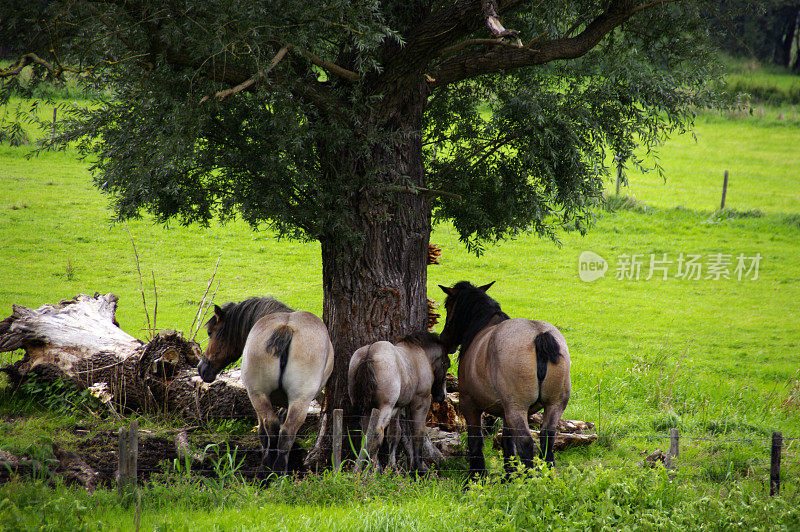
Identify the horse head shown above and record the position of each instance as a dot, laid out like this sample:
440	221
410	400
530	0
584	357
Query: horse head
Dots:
220	352
455	325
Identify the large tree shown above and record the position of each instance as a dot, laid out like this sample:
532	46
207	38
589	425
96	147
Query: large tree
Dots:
358	124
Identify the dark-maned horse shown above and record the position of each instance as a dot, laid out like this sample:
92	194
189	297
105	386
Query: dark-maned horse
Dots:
287	358
393	377
506	367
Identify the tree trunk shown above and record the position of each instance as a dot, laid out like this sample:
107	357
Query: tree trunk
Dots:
79	341
376	289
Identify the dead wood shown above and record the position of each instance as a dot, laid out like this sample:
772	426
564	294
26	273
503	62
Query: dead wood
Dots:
75	470
80	341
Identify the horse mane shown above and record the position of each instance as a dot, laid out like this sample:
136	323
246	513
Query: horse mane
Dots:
240	318
471	311
421	339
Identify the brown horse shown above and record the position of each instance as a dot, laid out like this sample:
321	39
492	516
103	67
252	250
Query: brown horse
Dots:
506	367
393	377
287	358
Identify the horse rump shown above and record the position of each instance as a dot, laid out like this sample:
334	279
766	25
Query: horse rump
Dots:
278	344
547	351
362	391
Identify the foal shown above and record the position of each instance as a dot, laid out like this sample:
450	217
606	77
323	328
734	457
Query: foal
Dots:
393	377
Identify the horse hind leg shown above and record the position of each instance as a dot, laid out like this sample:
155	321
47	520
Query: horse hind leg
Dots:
517	422
268	425
372	440
509	449
419	411
547	435
295	416
387	456
472	415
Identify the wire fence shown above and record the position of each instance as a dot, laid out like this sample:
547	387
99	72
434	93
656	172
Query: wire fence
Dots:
740	183
703	457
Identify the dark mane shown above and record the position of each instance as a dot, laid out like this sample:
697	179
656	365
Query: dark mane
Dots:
240	318
421	339
469	313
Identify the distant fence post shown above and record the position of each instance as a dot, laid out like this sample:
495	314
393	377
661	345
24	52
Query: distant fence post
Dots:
336	459
671	460
363	456
724	190
128	458
775	464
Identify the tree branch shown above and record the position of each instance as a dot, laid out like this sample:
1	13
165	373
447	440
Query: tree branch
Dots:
32	58
497	59
221	95
652	4
417	190
470	42
333	68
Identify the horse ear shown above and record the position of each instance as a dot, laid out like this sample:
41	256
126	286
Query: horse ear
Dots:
447	290
486	286
219	313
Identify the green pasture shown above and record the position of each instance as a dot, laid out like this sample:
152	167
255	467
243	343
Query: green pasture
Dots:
770	84
759	152
717	358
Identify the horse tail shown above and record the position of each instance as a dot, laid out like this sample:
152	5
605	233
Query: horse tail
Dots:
363	390
278	344
547	352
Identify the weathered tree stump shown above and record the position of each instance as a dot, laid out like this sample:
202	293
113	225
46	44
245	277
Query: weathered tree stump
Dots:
80	341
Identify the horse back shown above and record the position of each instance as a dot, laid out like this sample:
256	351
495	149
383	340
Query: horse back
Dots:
290	351
519	361
386	374
531	361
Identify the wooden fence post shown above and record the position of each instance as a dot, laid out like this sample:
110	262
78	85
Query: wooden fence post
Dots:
128	457
336	460
724	190
775	464
671	460
363	456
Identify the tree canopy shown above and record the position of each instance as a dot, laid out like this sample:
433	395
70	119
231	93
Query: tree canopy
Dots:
278	110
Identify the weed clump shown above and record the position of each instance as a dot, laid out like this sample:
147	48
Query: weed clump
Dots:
614	203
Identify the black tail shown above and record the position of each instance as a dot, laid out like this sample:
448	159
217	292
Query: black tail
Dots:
279	344
547	351
363	390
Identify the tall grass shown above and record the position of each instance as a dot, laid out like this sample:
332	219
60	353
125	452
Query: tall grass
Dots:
571	498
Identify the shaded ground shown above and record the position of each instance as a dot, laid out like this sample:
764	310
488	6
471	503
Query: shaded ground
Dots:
158	454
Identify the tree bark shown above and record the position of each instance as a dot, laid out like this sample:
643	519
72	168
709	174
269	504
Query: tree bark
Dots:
376	289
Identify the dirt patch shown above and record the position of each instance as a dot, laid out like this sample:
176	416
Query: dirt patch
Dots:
158	454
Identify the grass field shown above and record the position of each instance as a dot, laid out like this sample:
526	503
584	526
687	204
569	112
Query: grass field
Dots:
760	154
717	358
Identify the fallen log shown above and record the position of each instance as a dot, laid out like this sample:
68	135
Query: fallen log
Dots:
12	465
79	341
75	470
564	439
